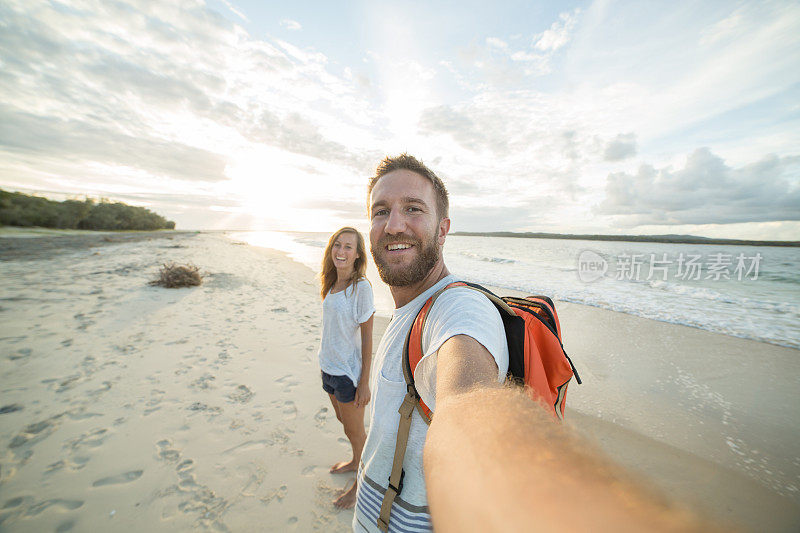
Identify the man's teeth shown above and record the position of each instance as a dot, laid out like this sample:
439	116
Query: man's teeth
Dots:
398	246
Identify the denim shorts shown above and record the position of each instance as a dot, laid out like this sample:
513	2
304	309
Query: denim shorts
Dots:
340	386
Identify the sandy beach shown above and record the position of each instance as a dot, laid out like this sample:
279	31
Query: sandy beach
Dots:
129	407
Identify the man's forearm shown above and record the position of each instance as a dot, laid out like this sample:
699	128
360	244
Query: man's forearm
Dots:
495	460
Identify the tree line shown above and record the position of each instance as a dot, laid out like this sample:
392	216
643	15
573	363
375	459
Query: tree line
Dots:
17	209
680	239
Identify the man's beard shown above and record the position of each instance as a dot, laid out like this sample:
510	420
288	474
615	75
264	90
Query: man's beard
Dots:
400	275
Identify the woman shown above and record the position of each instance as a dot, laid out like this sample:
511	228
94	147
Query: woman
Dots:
344	354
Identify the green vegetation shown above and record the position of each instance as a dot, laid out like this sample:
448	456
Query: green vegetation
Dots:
17	209
682	239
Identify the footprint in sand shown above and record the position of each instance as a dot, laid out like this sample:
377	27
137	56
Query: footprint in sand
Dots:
126	477
98	392
91	439
200	500
276	494
72	465
35	432
15	502
321	417
83	321
314	470
11	408
289	410
223	358
26	506
289	382
69	505
154	403
249	445
22	353
184	466
199	406
242	394
203	382
80	413
166	452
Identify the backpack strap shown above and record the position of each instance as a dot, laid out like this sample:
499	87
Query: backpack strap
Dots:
412	350
396	476
412	355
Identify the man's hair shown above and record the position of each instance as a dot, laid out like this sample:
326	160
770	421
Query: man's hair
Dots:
411	163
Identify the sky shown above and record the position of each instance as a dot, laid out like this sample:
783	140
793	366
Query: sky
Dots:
569	117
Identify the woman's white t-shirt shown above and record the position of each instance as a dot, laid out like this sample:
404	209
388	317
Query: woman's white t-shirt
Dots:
343	313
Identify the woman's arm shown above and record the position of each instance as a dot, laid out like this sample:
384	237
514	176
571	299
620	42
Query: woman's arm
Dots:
362	390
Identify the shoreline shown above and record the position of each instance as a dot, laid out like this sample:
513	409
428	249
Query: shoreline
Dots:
666	239
23	244
306	255
135	407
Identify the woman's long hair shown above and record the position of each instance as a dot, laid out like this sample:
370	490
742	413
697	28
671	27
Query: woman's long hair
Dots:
328	275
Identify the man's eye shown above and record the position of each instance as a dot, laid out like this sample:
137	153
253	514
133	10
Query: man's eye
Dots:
413	209
379	213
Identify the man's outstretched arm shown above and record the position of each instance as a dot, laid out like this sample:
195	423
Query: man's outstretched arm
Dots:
497	461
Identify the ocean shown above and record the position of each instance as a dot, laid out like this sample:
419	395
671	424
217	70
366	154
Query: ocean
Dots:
751	292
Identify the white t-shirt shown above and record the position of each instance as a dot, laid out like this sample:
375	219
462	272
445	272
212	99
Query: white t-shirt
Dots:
458	311
343	313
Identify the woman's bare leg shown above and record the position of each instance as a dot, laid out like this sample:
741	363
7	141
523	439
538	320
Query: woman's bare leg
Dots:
341	466
353	422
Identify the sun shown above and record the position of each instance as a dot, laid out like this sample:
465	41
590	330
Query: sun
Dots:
276	190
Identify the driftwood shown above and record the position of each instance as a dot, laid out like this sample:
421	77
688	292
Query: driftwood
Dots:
173	276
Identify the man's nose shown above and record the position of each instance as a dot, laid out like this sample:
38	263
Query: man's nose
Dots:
396	223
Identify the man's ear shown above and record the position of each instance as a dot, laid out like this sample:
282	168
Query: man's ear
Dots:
444	229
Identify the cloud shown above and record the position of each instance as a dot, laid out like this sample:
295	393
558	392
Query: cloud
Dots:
496	43
502	218
235	11
134	95
49	137
297	134
347	209
514	61
559	32
462	127
706	191
171	90
621	147
290	24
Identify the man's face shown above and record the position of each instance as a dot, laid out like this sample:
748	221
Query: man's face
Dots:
406	235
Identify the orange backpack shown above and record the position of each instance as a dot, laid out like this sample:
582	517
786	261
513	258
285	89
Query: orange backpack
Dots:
536	360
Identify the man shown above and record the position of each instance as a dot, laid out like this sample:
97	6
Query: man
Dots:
408	207
493	459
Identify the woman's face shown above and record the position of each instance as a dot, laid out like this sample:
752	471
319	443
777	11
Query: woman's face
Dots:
343	252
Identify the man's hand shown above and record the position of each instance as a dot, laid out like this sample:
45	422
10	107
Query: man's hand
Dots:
495	460
362	393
